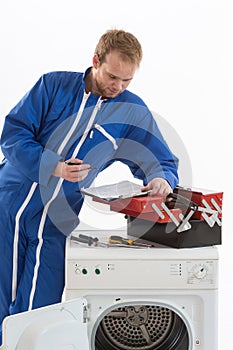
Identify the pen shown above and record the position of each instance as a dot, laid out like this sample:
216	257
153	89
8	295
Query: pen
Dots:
90	168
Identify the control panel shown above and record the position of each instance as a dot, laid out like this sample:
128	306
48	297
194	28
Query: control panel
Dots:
153	274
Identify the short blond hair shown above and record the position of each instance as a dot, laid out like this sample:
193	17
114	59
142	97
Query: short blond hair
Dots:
124	42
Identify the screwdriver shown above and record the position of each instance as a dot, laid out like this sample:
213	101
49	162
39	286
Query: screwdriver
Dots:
126	241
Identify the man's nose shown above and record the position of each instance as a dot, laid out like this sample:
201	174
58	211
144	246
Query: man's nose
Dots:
118	84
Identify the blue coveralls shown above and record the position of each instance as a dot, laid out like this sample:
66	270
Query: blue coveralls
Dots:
57	120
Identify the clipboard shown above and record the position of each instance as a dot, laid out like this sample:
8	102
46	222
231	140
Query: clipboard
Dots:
117	191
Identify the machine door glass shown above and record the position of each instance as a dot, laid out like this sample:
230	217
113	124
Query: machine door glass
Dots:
59	326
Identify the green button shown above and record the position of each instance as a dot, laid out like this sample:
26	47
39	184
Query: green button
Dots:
97	271
84	271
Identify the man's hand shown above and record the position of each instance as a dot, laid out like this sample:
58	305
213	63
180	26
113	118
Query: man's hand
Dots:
73	173
158	185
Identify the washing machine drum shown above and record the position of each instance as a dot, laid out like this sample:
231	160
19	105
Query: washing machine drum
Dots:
141	327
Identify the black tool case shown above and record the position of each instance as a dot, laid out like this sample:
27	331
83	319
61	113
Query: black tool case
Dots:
199	235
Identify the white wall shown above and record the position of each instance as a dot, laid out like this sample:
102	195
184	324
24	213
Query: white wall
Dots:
186	77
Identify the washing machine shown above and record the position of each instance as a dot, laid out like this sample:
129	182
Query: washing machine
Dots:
145	298
126	298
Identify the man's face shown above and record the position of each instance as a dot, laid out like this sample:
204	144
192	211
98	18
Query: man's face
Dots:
113	76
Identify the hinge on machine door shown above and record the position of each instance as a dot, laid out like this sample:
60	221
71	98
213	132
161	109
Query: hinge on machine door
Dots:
85	314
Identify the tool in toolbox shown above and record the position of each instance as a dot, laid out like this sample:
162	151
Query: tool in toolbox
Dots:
114	241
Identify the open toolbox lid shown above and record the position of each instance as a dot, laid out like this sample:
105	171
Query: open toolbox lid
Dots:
202	197
47	328
187	204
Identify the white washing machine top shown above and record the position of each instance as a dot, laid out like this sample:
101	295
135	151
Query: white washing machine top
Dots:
156	253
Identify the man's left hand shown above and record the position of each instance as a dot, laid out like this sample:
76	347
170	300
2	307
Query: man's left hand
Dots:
158	185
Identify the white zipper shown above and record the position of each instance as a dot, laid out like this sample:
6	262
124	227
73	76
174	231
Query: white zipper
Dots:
89	125
77	119
107	135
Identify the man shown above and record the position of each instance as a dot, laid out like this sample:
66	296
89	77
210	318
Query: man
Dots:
89	120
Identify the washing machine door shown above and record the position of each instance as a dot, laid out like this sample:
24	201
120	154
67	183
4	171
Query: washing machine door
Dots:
61	326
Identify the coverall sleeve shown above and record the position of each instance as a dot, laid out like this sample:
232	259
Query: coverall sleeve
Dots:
147	153
20	139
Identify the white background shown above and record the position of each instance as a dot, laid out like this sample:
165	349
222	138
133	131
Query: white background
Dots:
186	77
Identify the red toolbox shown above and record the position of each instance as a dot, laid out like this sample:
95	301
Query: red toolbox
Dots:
190	218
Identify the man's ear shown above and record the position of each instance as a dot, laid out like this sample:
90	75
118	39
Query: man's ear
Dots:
95	61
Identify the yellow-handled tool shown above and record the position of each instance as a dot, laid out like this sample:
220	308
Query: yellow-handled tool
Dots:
121	240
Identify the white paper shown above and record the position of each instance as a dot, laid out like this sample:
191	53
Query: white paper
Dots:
120	190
